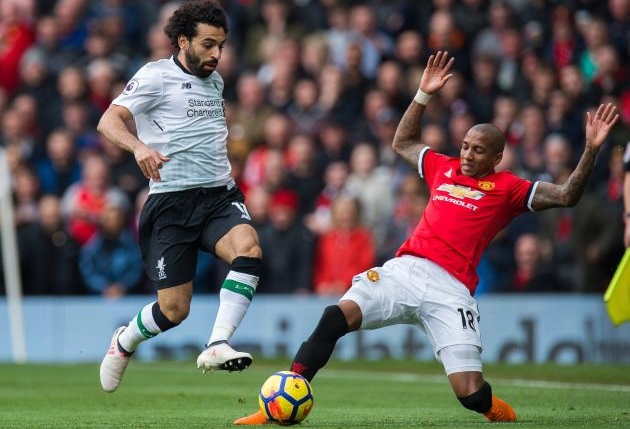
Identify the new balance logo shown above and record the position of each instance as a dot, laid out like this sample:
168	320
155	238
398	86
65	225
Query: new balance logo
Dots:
186	85
241	207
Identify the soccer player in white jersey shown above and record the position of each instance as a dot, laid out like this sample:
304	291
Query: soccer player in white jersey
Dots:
193	202
432	280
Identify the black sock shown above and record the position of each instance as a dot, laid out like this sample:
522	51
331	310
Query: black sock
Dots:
315	352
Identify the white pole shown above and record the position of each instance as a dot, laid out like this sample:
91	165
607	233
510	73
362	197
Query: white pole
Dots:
12	280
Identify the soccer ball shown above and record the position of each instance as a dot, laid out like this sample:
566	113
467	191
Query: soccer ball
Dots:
286	398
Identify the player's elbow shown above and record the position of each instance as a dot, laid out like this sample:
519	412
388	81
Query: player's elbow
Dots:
102	127
399	145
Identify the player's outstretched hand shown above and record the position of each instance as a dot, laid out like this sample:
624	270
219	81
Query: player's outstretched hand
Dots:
436	73
599	125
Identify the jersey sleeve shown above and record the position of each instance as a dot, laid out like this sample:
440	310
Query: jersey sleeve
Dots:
521	195
428	164
626	158
142	92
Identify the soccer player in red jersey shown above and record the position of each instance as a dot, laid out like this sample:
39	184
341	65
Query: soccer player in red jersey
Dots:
431	281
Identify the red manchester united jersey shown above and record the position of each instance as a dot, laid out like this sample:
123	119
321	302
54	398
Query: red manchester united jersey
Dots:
463	214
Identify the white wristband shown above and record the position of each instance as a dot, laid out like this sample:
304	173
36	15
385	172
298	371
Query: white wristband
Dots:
422	97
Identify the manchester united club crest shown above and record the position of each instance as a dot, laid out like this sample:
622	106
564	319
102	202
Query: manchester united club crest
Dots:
486	185
372	276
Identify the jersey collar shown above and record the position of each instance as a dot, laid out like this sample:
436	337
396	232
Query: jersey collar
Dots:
180	65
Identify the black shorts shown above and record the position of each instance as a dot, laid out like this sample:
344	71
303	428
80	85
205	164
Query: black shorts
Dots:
174	226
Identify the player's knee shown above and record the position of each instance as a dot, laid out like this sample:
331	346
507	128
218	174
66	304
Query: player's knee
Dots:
247	265
176	311
480	401
243	241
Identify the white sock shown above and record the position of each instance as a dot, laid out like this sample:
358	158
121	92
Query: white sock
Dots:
234	298
140	328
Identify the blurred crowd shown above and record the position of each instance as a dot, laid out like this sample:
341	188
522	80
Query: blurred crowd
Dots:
314	90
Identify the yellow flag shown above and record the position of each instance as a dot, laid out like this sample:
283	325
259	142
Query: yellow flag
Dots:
617	296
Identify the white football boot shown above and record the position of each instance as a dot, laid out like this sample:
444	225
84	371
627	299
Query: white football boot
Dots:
114	364
220	356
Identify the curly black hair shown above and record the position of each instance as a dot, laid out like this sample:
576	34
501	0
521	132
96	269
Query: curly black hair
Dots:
185	19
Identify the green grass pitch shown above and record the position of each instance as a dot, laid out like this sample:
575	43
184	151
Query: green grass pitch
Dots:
382	394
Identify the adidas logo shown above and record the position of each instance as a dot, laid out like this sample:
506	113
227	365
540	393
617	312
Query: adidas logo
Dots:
448	173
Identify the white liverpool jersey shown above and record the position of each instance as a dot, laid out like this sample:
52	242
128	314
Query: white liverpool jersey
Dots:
183	117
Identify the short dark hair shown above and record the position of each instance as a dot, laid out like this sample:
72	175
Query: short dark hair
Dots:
185	19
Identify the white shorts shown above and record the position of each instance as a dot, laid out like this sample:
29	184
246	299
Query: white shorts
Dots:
416	291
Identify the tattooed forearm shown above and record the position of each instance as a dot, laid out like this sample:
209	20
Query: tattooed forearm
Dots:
575	185
407	138
550	195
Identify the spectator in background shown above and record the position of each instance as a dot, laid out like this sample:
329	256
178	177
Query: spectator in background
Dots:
411	199
444	34
409	53
72	86
585	240
338	34
37	82
314	55
481	95
506	110
84	201
563	46
110	262
60	168
344	250
17	35
14	134
75	118
334	143
123	170
275	172
49	256
500	18
534	268
611	191
27	108
273	24
48	45
101	76
595	34
619	26
435	137
335	180
258	201
373	185
364	129
533	129
251	112
277	132
288	247
280	71
374	44
303	176
305	111
336	98
391	80
26	192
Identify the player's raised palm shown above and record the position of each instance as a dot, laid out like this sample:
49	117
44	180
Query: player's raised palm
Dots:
436	73
599	125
